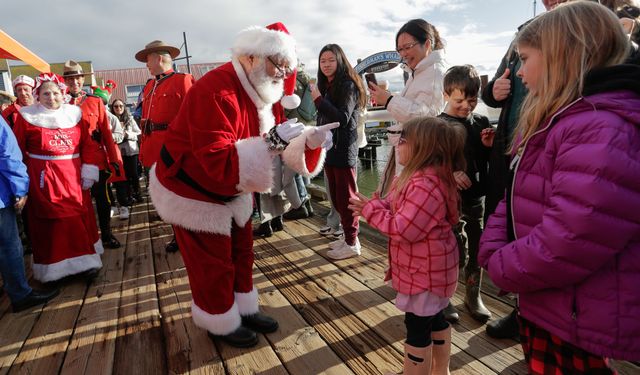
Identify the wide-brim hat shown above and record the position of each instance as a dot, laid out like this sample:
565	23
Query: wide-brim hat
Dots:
73	69
7	95
157	46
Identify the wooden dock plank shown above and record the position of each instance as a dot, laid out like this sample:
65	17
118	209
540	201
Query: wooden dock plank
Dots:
365	269
45	348
297	344
189	350
364	351
93	344
377	313
140	342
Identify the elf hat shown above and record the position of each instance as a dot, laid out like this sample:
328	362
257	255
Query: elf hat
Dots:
273	40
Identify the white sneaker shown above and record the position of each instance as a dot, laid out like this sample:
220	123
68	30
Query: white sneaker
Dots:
337	243
114	211
338	233
124	213
345	251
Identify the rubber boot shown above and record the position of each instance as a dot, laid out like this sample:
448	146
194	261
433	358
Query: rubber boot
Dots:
472	298
451	313
417	361
441	353
504	328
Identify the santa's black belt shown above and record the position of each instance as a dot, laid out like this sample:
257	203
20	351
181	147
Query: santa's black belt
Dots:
186	179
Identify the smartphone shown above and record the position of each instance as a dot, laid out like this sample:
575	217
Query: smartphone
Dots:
370	77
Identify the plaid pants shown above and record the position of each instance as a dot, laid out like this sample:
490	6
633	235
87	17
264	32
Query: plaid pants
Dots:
547	354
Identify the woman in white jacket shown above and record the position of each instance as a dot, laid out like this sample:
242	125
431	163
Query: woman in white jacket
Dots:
419	44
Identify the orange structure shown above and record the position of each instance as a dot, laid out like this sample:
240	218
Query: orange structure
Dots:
13	50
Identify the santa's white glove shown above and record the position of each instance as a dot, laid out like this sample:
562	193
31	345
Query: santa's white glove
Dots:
87	183
322	136
289	129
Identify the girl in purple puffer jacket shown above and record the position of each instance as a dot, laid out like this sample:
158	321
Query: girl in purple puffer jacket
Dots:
567	236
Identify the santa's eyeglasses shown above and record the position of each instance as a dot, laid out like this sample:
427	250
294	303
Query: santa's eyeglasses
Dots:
283	71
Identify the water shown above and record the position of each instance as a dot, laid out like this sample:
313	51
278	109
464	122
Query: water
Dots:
369	169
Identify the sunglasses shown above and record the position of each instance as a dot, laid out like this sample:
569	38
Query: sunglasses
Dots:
118	106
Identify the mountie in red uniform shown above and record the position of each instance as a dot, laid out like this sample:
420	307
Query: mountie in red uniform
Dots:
105	151
214	158
161	100
11	114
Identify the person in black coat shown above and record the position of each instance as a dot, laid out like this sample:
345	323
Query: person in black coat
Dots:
338	97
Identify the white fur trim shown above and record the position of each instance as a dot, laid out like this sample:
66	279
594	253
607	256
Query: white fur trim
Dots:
247	302
218	324
90	172
294	155
246	85
265	113
195	215
70	266
260	41
255	165
290	101
65	117
98	247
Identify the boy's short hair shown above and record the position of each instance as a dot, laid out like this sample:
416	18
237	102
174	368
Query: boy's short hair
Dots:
464	78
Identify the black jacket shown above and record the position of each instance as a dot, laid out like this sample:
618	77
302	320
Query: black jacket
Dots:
476	155
344	153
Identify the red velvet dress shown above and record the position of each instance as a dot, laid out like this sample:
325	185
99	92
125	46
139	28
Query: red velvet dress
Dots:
54	146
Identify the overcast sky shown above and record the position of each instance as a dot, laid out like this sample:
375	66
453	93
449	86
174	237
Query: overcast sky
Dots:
110	32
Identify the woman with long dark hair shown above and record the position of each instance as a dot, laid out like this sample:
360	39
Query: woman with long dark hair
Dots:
338	96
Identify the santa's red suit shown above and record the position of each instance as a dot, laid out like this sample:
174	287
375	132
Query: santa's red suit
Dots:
58	153
214	158
161	100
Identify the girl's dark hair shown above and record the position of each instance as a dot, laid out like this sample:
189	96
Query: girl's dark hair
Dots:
344	72
422	31
125	114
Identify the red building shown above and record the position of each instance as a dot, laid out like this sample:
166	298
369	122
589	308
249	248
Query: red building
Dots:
131	81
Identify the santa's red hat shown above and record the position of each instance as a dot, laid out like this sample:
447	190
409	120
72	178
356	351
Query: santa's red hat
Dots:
271	41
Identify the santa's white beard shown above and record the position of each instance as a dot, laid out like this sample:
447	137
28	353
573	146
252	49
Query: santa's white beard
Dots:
270	89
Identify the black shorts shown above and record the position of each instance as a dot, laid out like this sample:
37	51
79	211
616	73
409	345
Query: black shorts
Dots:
419	328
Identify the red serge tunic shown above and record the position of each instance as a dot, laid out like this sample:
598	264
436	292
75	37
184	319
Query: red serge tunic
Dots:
161	101
11	114
54	143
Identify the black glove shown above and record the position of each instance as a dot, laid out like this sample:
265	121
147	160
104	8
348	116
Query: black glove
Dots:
96	136
116	168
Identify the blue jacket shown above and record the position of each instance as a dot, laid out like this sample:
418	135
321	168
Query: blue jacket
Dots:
14	181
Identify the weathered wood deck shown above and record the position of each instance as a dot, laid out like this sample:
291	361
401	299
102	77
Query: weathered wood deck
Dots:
336	317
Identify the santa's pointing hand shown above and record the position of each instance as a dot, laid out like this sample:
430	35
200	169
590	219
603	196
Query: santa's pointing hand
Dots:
322	136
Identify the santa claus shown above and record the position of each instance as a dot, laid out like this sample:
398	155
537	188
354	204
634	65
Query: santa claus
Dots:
217	152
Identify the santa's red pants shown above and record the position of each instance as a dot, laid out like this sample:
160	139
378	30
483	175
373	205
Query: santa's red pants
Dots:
220	276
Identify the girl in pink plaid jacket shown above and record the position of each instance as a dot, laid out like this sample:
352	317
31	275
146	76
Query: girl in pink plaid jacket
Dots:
418	216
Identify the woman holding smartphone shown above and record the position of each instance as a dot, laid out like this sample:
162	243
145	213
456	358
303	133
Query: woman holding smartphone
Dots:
338	96
419	44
